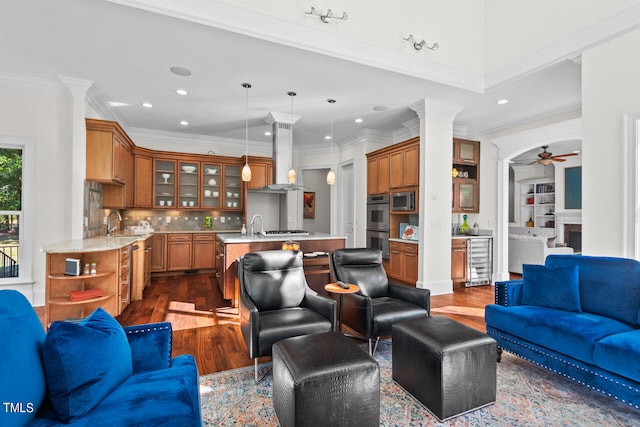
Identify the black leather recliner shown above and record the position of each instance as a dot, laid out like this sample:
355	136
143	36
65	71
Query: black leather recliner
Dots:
277	303
378	304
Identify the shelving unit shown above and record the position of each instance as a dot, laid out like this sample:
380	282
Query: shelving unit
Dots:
232	187
211	183
188	184
537	202
59	285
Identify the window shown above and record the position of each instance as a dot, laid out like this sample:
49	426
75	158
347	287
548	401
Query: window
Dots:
11	217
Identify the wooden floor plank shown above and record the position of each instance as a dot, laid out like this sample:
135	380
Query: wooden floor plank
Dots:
205	326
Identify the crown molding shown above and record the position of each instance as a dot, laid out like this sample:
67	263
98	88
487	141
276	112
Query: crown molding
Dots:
569	48
177	140
31	85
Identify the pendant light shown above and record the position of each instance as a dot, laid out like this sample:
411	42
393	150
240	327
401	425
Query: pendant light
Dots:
246	170
291	175
331	176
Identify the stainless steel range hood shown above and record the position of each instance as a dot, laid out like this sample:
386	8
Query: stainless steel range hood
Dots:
282	132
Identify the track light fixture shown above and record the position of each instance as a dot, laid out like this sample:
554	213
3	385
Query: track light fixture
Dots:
327	16
419	45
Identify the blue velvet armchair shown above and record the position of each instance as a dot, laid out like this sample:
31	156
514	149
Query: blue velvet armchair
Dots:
92	373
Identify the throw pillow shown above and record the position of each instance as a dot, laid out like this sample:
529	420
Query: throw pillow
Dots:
84	362
552	287
551	242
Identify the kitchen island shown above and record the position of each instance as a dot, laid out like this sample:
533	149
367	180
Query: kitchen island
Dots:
315	246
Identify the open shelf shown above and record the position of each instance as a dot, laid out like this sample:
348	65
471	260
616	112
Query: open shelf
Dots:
67	300
62	276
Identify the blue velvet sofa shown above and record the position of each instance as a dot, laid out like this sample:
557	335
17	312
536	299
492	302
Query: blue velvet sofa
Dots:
578	316
91	373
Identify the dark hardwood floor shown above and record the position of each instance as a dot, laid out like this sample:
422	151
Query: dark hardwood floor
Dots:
204	326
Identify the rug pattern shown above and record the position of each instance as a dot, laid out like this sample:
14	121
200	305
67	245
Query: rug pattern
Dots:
527	395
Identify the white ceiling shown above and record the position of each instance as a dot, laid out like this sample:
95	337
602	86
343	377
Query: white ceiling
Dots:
127	53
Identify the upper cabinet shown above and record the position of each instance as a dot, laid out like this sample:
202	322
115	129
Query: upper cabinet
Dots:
232	189
395	167
164	183
211	184
465	174
261	172
143	195
109	160
378	174
189	184
405	165
108	149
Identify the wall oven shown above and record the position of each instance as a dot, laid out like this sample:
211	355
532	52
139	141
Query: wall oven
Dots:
378	223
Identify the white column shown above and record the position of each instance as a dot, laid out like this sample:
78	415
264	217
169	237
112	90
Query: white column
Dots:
436	155
78	89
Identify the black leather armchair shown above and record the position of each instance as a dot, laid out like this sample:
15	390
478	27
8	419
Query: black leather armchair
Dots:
378	304
277	303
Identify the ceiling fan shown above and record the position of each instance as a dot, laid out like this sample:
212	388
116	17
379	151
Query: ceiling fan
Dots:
545	158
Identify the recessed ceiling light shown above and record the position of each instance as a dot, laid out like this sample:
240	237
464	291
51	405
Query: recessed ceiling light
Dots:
380	108
267	133
184	123
358	120
502	101
117	104
180	71
181	92
147	105
327	137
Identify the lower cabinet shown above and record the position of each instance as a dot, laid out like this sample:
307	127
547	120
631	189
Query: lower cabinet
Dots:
204	251
403	262
158	245
187	251
458	261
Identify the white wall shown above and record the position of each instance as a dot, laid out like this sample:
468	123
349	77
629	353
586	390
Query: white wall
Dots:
316	181
611	88
43	114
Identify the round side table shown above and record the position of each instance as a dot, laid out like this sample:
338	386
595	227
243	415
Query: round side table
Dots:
334	288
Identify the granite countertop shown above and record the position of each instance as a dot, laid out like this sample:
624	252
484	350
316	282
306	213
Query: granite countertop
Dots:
240	238
203	231
94	244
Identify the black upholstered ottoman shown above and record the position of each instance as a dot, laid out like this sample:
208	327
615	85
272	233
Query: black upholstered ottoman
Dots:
449	367
325	380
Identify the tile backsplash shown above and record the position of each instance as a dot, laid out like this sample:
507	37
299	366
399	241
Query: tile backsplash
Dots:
187	220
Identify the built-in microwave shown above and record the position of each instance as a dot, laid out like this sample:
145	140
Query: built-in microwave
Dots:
403	201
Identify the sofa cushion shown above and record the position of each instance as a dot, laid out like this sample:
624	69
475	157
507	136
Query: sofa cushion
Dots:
573	334
620	353
84	362
166	397
22	381
551	287
609	286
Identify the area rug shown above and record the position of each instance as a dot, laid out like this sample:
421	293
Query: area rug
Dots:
527	395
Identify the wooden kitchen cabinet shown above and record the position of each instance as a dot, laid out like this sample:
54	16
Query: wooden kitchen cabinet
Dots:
59	305
107	149
204	251
261	172
143	192
378	174
465	176
179	252
394	168
164	183
458	261
404	165
189	184
403	262
158	244
212	185
232	190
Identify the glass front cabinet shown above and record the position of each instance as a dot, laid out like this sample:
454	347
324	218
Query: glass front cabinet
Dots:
164	183
211	184
189	184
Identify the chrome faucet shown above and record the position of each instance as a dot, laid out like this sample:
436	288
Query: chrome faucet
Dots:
111	230
253	220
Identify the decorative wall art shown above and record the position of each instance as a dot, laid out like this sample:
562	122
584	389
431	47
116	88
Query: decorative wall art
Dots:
309	205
